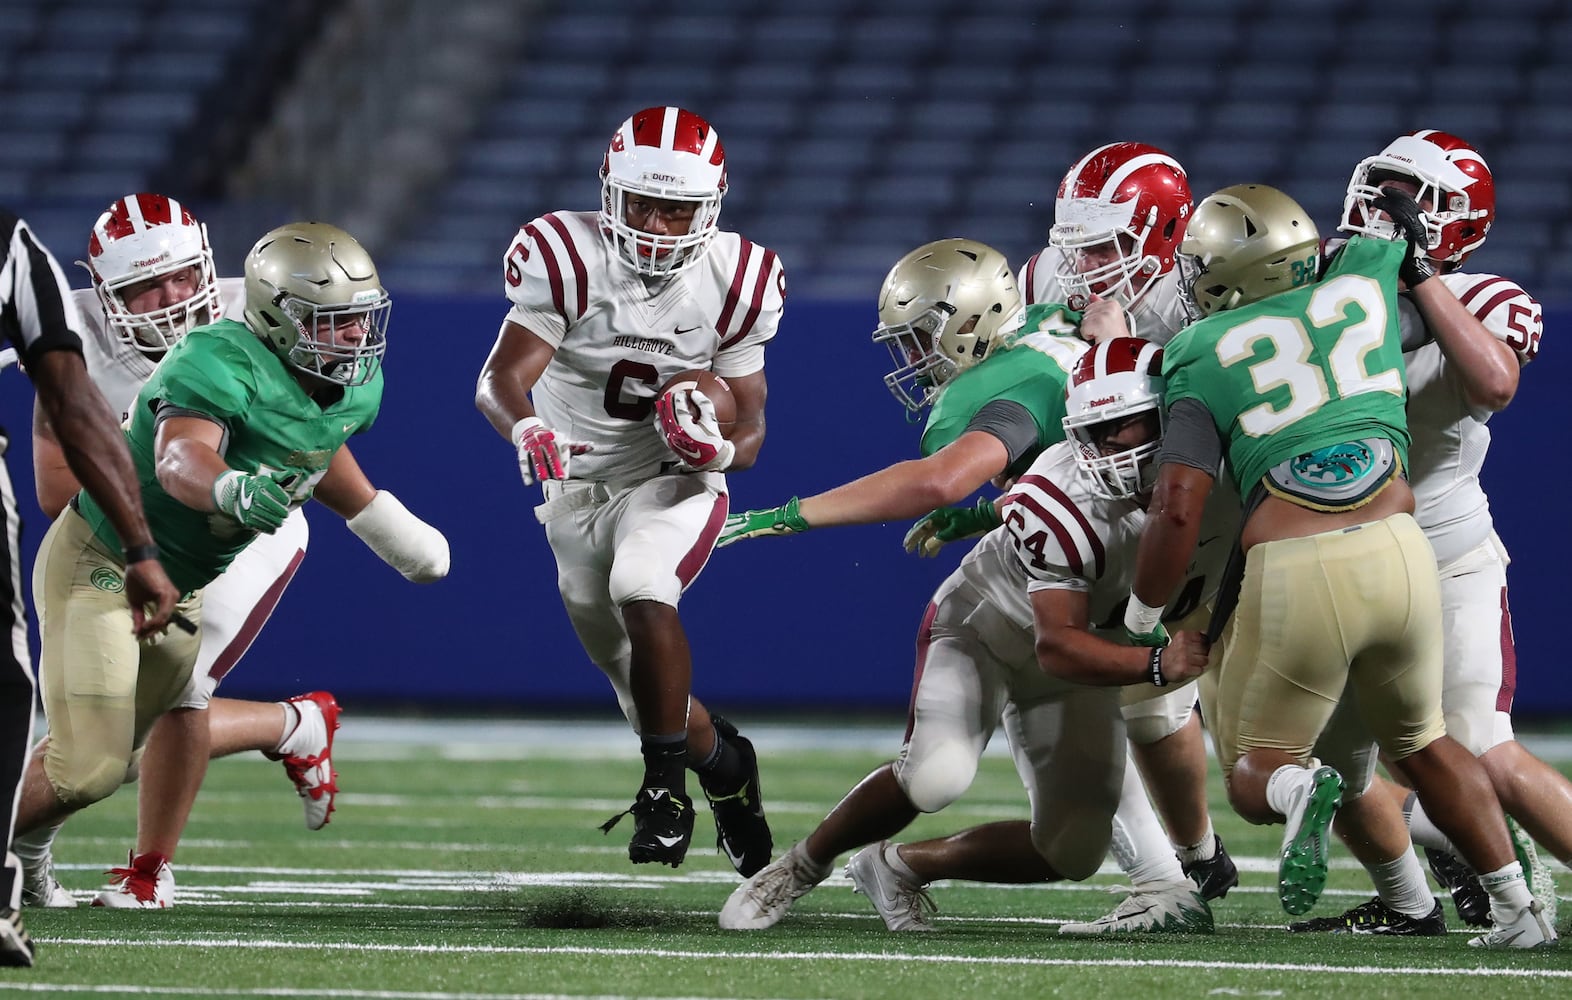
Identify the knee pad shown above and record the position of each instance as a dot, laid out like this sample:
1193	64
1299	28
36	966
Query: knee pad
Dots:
1155	719
940	777
636	577
86	785
1075	844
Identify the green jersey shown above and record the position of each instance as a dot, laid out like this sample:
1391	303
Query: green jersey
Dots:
1033	372
272	427
1305	369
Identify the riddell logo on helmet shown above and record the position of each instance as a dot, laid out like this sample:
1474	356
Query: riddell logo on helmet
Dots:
149	262
1104	401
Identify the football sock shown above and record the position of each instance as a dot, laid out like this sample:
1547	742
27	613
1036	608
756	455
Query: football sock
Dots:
1421	830
892	857
1202	850
1508	891
665	755
721	772
1285	792
1401	885
1140	847
292	720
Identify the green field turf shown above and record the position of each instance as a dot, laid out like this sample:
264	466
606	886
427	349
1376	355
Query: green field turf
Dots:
471	867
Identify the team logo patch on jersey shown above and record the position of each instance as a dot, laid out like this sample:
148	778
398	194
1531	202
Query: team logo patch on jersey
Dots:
1335	465
107	580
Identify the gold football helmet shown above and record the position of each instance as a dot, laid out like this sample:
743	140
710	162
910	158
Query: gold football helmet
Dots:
1243	244
941	310
313	296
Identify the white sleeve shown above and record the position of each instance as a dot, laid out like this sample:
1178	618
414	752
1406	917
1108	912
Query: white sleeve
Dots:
1056	543
751	315
1502	307
540	279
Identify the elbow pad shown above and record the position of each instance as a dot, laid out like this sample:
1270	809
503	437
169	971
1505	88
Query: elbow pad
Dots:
402	540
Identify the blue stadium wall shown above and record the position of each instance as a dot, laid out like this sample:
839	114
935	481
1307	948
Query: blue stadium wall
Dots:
822	621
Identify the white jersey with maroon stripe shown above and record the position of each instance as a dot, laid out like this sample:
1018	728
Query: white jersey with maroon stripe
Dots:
1058	534
1449	436
120	370
1157	316
620	337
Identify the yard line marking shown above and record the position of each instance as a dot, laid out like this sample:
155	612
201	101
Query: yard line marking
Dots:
809	956
284	991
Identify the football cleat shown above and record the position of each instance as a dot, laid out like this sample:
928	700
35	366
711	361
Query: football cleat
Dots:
40	887
146	883
903	905
16	945
765	898
1178	908
1301	869
1468	896
1529	930
1215	875
1375	917
662	826
741	831
310	767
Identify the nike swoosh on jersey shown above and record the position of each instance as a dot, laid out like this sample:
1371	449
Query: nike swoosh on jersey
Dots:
680	331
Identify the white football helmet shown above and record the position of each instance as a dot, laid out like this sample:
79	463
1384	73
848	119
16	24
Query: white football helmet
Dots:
1125	205
302	281
145	236
942	309
1112	382
1453	179
670	154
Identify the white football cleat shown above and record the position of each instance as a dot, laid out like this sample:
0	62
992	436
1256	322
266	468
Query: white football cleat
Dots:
765	898
903	904
147	883
1529	930
309	764
40	887
1178	908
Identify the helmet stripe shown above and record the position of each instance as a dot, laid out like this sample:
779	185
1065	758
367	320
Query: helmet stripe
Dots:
668	128
1117	178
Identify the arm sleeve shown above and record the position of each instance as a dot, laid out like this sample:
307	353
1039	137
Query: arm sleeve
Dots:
36	308
1191	438
1011	423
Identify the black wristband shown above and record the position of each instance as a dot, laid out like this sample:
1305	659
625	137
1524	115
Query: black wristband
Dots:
140	553
1154	668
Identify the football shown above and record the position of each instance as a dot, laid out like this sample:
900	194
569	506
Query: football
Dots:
714	387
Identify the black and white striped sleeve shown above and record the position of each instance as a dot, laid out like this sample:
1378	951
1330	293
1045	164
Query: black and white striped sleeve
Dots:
37	313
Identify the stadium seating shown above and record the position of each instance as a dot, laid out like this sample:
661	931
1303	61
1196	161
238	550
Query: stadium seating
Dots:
854	127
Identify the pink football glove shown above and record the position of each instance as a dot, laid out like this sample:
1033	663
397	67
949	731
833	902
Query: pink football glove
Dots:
697	441
541	455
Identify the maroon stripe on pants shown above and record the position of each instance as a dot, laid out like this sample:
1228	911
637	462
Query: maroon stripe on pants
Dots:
258	617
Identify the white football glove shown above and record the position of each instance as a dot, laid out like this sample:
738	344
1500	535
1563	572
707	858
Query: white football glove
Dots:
696	441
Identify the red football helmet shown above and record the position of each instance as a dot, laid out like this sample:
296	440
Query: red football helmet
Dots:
1114	381
145	236
1455	190
665	153
1118	220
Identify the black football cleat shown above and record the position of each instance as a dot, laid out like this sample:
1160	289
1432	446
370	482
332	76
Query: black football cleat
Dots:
741	831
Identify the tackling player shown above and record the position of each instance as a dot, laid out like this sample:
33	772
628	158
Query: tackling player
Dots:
153	282
606	308
1020	629
1300	382
217	470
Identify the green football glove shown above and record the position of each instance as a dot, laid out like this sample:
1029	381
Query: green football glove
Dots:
1156	637
782	520
950	524
255	501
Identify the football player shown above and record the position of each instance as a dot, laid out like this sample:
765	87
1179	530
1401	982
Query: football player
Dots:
1476	331
606	308
1300	382
1020	630
217	473
153	281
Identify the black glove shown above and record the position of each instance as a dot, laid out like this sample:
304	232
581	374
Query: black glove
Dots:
1401	208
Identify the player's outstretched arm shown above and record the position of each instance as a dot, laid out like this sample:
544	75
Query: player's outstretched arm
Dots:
1173	524
1067	648
189	467
416	549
